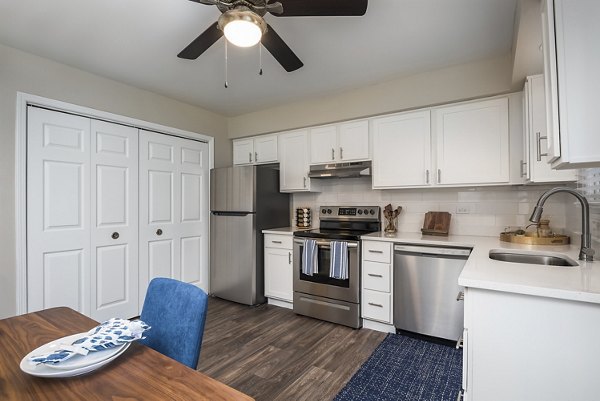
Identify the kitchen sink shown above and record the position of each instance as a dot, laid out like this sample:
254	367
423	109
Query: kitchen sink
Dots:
534	258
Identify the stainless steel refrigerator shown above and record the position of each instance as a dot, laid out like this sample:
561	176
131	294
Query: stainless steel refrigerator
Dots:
243	201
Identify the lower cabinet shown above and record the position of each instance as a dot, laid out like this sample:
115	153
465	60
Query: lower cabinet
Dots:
278	269
376	292
522	347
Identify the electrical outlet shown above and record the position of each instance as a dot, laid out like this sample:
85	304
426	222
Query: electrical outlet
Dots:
463	210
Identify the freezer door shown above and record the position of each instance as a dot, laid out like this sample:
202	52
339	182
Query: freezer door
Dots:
233	189
234	272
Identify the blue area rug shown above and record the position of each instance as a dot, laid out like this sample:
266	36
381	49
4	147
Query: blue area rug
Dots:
404	368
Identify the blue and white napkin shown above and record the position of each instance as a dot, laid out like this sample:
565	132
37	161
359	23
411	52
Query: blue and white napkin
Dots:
110	334
338	266
310	263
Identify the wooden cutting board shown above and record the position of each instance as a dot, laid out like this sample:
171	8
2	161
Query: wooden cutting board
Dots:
436	223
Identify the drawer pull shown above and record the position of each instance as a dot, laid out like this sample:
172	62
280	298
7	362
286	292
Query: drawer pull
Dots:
377	305
460	296
375	275
276	242
375	251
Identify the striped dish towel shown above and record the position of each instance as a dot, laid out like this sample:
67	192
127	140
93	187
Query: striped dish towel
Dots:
310	263
338	267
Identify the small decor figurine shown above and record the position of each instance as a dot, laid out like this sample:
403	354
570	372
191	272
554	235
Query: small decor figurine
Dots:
391	218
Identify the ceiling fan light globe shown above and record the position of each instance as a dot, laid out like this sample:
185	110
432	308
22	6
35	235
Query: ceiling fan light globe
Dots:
242	33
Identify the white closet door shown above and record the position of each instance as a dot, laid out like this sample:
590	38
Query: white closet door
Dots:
173	210
114	207
58	210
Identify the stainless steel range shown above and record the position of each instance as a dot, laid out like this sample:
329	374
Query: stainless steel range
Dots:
320	294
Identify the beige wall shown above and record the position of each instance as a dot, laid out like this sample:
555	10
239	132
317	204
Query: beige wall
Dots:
460	82
24	72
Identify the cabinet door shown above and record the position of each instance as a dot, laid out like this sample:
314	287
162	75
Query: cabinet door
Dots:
114	222
550	80
402	150
293	165
472	143
58	217
265	149
323	145
243	151
541	170
353	141
278	274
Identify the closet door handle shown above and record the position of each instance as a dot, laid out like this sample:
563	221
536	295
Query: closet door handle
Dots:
159	232
115	235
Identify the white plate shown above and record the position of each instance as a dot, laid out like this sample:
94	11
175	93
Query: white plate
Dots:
77	367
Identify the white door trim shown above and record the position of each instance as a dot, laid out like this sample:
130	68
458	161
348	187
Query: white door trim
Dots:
24	100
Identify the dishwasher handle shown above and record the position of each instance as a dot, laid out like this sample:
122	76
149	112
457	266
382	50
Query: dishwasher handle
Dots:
433	250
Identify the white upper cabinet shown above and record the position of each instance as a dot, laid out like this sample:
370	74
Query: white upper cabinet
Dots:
472	142
258	150
340	143
571	61
535	166
293	165
402	150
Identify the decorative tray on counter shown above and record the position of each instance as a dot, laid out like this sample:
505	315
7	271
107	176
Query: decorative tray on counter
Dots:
531	238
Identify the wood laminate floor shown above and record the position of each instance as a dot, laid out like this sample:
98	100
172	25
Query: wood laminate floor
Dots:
271	354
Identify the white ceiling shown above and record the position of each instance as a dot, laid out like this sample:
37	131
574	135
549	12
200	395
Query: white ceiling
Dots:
137	41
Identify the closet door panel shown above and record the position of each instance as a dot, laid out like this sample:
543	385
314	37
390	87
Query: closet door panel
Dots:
114	236
58	210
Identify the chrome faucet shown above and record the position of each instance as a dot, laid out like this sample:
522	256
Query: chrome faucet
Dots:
586	252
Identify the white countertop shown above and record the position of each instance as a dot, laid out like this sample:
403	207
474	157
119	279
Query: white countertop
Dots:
580	283
284	230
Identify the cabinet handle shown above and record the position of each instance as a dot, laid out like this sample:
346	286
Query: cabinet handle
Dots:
523	164
304	181
377	305
460	296
375	275
439	176
426	176
276	242
255	156
341	153
460	342
332	154
249	157
538	138
460	395
289	258
375	251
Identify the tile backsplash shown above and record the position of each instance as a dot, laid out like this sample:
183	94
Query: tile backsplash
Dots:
484	211
589	184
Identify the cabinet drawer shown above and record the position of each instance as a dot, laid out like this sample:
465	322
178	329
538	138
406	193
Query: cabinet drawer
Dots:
377	251
376	276
377	306
278	241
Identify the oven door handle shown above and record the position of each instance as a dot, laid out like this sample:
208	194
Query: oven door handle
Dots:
325	244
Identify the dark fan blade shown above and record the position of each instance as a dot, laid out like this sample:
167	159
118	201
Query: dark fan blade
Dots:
207	2
282	53
319	8
201	43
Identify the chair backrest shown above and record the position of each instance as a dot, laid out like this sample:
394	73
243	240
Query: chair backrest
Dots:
176	311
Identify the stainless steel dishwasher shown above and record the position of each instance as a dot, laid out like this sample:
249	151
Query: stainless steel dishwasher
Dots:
427	297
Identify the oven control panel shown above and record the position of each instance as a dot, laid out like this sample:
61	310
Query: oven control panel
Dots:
350	212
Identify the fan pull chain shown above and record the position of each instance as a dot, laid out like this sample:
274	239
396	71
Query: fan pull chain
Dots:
260	72
226	83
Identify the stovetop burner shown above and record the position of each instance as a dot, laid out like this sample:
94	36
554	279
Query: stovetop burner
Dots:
344	223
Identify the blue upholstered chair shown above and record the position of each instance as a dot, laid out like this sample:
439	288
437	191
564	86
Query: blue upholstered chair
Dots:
176	311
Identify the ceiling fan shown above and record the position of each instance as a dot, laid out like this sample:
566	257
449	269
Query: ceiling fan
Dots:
243	25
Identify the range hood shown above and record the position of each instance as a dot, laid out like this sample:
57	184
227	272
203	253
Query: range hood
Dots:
341	170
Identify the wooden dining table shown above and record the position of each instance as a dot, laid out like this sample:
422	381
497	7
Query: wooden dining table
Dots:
140	373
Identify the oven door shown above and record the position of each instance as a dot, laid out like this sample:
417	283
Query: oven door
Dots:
320	283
